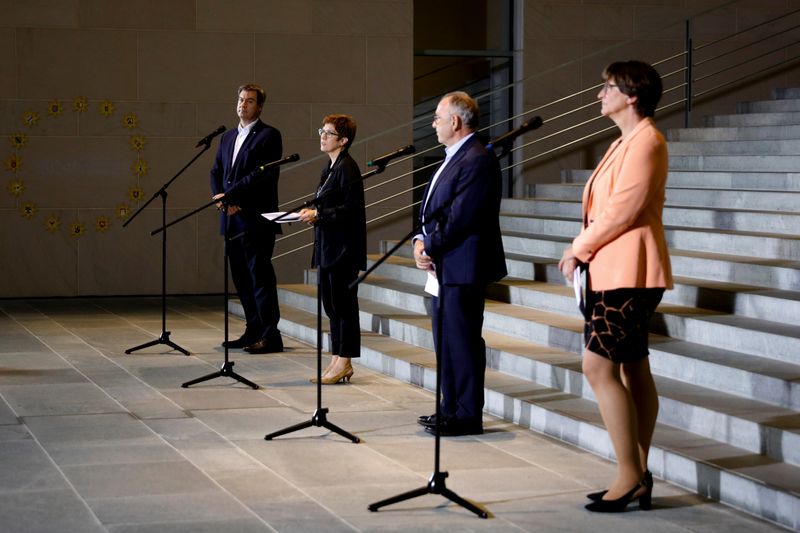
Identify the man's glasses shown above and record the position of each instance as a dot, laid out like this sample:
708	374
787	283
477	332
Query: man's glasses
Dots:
326	133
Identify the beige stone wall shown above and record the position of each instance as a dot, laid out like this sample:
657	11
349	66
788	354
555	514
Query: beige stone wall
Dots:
82	81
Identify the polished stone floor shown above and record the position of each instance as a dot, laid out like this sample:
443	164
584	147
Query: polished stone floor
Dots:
92	439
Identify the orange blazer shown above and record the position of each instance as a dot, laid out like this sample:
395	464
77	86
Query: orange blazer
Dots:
623	233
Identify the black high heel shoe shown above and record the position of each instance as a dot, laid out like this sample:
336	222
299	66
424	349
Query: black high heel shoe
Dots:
613	506
647	481
646	499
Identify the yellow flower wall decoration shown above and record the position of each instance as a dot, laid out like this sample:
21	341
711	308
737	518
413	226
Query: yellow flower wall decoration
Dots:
30	118
52	223
13	163
54	108
140	167
80	104
106	108
16	187
135	193
137	142
28	210
18	140
102	224
76	229
130	121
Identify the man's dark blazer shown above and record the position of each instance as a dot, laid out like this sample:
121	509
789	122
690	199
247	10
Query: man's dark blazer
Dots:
466	235
465	244
254	191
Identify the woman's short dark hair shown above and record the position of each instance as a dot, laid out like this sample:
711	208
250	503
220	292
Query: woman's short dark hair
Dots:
635	78
345	126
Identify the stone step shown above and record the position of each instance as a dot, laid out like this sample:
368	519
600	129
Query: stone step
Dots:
756	484
786	92
685	217
781	181
753	119
769	106
743	270
783	201
742	300
742	163
776	246
683	405
744	133
774	147
765	339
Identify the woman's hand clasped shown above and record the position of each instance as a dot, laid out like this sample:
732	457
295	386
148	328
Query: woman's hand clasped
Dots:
308	215
568	263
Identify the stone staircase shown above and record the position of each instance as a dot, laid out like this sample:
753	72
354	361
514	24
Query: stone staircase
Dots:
725	344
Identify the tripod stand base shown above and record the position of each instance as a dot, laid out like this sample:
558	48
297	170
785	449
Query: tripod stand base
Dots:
436	485
318	419
226	370
163	339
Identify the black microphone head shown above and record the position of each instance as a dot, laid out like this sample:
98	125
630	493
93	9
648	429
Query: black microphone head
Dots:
294	157
408	149
220	129
532	124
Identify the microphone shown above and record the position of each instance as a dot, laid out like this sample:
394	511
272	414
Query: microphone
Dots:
279	162
382	160
508	137
207	139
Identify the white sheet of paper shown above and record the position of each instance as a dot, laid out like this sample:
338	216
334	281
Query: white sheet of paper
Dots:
432	285
291	217
576	286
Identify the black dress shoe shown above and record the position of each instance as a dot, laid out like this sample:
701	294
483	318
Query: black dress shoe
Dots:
241	342
266	346
427	420
455	427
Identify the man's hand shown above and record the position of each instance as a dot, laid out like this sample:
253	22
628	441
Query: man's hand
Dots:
232	209
423	261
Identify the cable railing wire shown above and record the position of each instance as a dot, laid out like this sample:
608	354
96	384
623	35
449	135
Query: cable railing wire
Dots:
583	107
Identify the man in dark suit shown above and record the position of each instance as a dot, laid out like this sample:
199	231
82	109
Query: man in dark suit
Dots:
462	248
246	192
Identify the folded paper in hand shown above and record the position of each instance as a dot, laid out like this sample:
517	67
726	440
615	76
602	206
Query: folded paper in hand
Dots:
432	285
291	217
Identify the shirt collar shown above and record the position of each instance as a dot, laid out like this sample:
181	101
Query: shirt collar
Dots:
246	129
451	150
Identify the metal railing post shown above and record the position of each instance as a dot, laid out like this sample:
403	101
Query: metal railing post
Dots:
688	107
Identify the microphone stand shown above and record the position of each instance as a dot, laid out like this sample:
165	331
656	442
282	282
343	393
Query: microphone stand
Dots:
162	192
436	483
320	416
226	370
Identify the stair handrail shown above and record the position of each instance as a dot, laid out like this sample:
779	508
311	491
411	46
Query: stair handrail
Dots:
687	84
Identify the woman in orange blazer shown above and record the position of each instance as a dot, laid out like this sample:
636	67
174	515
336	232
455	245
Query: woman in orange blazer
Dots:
623	244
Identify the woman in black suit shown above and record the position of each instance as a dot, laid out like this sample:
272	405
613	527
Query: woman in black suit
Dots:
341	243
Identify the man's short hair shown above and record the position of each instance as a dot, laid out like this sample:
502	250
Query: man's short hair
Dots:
465	107
261	96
